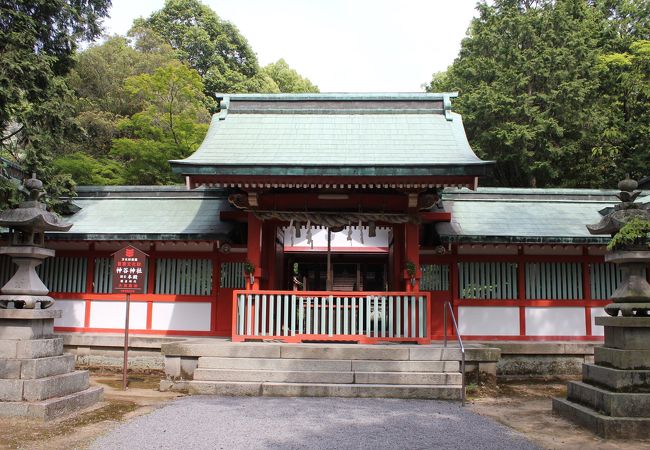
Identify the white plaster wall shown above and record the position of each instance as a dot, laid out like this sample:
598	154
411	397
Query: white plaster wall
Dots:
488	320
555	321
339	239
74	313
597	330
181	316
111	315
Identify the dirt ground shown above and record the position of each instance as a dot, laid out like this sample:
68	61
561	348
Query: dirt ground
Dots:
522	405
80	430
526	407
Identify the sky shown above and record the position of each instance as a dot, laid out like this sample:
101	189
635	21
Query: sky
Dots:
340	45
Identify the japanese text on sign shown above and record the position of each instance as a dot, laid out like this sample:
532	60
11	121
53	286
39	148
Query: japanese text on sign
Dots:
129	274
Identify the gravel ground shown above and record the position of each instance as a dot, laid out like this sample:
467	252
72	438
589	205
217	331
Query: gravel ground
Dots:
310	423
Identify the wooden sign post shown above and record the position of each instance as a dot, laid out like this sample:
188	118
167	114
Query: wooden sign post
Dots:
129	277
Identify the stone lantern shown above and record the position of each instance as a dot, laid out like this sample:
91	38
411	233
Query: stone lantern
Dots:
27	226
37	380
613	398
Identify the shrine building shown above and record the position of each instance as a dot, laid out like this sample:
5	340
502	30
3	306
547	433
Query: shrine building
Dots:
336	217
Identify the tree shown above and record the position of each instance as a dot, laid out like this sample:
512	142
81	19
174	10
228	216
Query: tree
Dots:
171	125
287	79
208	44
98	80
37	43
528	78
626	89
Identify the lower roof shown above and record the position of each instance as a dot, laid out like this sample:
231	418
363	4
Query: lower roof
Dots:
514	215
498	215
146	213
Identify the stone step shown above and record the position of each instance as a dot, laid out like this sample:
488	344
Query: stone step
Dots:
28	349
327	365
616	379
55	386
405	366
604	426
408	378
306	376
330	365
315	351
324	390
615	404
53	407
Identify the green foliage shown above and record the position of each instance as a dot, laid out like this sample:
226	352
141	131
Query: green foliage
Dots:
208	44
86	170
171	124
535	98
287	79
37	44
634	235
249	267
411	268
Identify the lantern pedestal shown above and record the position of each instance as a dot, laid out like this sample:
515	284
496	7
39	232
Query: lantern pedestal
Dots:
37	380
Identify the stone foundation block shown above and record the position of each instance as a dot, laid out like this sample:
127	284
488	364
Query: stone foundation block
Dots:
8	348
604	426
46	367
629	338
54	407
11	390
26	329
39	348
622	359
9	368
55	386
615	404
616	379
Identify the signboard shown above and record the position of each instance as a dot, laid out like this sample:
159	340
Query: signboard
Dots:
129	271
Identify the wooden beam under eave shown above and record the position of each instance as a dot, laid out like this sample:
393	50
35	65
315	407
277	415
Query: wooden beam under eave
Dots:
233	216
435	216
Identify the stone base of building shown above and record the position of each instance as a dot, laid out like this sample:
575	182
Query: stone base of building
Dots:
37	380
613	398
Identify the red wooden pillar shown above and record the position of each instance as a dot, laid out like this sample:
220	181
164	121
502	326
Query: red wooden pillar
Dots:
269	230
254	250
396	258
412	254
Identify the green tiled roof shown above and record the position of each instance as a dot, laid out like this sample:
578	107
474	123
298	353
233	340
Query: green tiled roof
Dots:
146	212
336	134
524	215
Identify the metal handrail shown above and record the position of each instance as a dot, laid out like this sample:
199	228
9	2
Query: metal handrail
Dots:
460	342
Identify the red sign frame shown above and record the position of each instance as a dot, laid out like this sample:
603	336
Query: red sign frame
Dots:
129	271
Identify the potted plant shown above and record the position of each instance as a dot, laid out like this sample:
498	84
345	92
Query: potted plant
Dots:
411	270
249	269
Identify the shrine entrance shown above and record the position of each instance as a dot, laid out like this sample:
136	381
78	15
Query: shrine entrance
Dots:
349	272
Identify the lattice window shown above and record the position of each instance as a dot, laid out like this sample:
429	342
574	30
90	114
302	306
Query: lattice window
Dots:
232	275
487	280
435	277
64	273
554	281
7	269
102	278
604	279
183	276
